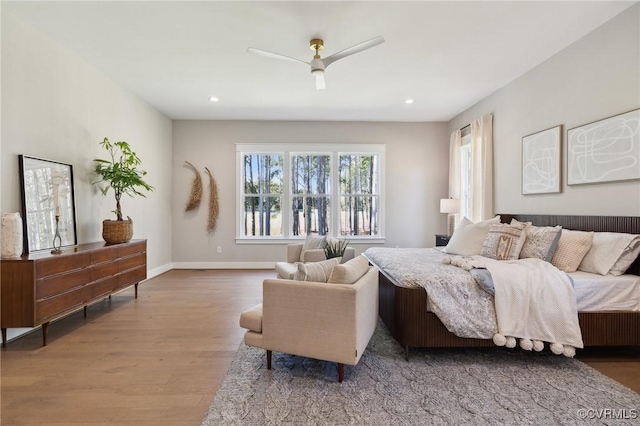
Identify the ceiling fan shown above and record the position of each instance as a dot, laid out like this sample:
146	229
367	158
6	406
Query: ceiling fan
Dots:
318	65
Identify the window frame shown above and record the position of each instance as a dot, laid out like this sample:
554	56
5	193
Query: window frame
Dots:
287	151
465	176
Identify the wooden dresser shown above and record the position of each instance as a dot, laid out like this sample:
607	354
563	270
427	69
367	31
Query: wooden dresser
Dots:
41	287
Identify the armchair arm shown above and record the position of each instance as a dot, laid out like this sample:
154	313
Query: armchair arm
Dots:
293	252
349	253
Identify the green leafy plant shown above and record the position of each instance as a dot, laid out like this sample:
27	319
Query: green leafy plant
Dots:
335	249
120	172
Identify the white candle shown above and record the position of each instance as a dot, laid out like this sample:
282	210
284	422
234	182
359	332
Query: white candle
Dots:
56	200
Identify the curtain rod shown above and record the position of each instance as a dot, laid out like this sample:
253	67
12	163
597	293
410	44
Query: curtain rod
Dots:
462	128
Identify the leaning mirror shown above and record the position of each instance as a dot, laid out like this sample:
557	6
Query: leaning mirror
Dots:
47	191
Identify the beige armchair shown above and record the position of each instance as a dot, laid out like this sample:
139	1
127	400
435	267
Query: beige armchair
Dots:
326	321
286	269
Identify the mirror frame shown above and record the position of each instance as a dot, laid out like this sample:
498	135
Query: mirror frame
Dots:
37	177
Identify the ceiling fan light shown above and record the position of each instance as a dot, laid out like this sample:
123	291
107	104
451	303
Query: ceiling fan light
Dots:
317	73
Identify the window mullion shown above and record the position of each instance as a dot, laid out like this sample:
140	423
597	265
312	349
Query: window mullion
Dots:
286	196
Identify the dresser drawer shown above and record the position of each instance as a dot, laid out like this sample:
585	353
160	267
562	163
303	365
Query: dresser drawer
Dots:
55	305
106	254
50	286
132	248
58	265
133	276
132	262
104	270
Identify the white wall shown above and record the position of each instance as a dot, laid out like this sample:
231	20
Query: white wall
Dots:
55	106
596	77
416	178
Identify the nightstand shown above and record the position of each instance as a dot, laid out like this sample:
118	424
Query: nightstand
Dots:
442	240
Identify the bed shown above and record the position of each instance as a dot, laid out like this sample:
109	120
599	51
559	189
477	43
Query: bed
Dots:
404	310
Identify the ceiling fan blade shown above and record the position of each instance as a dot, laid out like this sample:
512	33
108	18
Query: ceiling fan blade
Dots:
274	55
352	50
320	81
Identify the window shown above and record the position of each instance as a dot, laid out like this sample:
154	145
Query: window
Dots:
290	191
310	194
359	194
262	212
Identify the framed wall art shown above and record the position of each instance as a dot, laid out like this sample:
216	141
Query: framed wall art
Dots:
47	191
607	150
541	161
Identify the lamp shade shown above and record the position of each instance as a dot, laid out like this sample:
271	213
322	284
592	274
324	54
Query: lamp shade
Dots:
449	205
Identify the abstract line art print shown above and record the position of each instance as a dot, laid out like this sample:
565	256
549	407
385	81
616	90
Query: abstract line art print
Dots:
605	151
541	162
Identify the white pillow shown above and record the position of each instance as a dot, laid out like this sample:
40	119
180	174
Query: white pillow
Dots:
468	237
606	249
349	272
628	256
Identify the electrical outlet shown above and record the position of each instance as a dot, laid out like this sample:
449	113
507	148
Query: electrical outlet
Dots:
219	249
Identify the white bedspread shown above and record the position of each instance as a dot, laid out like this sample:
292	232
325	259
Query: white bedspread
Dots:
534	300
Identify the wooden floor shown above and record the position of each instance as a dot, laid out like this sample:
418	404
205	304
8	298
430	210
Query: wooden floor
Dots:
157	360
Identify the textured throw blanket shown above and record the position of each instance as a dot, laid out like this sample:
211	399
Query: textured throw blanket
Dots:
534	302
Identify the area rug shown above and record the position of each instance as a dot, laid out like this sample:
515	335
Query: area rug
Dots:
487	386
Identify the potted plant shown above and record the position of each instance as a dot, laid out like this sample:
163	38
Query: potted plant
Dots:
335	248
120	173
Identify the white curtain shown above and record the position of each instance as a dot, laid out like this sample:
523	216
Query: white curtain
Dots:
481	191
454	165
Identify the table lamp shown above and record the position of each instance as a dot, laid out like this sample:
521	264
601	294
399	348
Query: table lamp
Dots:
450	206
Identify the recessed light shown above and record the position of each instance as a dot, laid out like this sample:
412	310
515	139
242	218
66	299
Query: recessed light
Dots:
213	99
408	101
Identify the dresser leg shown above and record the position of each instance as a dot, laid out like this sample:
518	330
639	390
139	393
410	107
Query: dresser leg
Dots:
136	287
4	337
45	330
85	311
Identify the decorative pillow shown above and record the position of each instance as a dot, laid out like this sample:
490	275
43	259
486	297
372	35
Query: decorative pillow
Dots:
484	280
628	256
605	250
315	271
312	243
572	248
349	272
504	242
468	237
541	241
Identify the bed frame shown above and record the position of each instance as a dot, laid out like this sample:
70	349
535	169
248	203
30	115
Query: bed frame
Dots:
404	310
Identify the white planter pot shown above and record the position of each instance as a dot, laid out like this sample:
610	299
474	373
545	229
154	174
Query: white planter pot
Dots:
11	235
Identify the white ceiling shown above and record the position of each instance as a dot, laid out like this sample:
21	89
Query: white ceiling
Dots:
445	55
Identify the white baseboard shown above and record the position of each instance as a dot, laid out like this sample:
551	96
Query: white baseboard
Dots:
224	265
159	270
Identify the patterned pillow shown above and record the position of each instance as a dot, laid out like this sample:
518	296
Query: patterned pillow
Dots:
572	248
504	242
316	271
541	242
312	243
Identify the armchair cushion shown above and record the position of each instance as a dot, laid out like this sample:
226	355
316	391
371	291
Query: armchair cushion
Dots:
315	271
349	272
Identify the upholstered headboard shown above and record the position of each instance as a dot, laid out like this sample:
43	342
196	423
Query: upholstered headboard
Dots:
627	224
